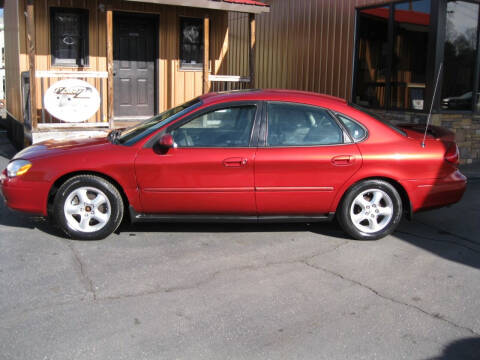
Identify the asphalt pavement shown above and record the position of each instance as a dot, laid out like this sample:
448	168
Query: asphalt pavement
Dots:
212	291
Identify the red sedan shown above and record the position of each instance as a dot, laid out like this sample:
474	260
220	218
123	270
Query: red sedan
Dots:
253	156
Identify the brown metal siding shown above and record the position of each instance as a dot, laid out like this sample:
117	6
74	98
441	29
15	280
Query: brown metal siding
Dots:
301	44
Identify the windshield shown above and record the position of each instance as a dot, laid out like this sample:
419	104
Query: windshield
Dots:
377	117
135	133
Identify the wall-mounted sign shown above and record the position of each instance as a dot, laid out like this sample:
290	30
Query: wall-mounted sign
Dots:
72	100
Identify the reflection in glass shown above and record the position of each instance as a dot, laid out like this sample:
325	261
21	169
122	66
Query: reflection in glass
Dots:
460	52
69	37
372	57
301	125
191	43
409	63
230	127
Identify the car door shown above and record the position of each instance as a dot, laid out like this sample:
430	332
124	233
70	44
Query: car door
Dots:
210	169
304	157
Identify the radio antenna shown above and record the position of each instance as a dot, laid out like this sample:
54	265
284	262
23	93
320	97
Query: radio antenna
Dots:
431	105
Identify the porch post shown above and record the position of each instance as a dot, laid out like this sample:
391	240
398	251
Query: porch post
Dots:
252	44
31	61
206	53
109	15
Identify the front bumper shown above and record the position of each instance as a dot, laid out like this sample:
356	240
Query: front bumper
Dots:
25	196
433	193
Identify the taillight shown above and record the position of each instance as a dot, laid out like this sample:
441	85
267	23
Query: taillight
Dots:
453	155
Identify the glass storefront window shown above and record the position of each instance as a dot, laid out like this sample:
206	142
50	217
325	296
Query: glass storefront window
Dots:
372	57
409	60
459	56
395	55
391	66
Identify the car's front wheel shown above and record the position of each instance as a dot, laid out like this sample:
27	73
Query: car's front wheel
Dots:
370	210
88	207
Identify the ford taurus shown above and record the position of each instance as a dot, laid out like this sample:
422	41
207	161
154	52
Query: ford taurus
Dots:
252	156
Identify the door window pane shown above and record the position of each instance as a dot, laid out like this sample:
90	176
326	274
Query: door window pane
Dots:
301	125
69	37
230	127
409	62
459	58
191	43
372	58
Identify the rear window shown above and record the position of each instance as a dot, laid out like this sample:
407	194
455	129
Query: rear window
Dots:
377	117
356	131
291	124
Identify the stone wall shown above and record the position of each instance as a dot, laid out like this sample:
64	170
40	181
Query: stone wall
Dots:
467	133
465	126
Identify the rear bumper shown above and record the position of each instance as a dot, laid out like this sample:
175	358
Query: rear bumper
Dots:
30	197
432	193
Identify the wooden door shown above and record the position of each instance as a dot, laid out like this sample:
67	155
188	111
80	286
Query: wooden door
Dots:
134	40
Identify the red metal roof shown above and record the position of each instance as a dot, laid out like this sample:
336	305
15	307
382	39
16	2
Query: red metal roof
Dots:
246	2
403	16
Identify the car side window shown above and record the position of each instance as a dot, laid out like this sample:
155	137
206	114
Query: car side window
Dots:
301	125
356	131
228	127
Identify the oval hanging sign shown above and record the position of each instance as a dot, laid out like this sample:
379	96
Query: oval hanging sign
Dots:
72	100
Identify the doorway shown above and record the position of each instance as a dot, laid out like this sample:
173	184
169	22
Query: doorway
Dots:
134	66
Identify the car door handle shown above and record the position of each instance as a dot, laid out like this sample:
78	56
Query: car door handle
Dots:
235	162
343	160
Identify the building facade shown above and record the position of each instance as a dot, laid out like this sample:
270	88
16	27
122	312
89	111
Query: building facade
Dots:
2	65
387	56
81	67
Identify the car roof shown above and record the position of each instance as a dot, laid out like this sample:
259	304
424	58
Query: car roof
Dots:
304	97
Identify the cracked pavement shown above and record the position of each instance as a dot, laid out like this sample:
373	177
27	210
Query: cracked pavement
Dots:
190	291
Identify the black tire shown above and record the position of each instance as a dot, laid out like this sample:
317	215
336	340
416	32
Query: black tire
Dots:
387	225
112	209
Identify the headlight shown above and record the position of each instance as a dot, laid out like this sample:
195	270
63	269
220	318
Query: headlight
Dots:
18	167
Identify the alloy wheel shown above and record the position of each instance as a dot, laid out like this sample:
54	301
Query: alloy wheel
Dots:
371	210
87	209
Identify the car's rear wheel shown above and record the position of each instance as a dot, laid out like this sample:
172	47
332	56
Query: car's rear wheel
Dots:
88	207
370	210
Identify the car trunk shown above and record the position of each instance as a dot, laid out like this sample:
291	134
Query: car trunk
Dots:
417	131
436	133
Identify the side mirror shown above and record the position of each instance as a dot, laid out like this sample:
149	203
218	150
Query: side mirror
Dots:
166	142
